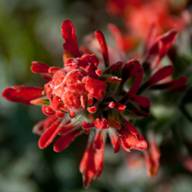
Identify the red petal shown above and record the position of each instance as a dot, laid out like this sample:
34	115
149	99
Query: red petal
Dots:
99	139
69	35
131	138
152	157
167	41
53	69
139	113
47	110
65	140
38	67
159	75
114	138
22	94
133	69
87	166
154	50
104	49
88	152
163	44
114	68
174	85
91	164
49	121
99	157
142	101
101	123
50	134
43	125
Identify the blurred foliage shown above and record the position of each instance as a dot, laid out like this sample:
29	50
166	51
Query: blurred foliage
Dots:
30	30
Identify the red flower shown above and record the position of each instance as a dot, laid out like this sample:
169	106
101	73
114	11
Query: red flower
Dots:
91	96
139	16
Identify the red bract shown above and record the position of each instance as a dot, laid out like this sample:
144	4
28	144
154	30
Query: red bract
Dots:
131	139
160	48
69	34
152	158
92	163
92	96
22	94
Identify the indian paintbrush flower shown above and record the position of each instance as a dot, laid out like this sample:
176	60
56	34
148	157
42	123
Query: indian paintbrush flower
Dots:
93	96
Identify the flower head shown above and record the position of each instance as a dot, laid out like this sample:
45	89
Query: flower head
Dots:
93	97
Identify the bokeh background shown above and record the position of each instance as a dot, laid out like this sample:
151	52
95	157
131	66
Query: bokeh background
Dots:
30	30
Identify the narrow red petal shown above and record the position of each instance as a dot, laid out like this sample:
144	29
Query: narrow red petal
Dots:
131	138
83	163
38	67
114	68
99	157
159	75
69	35
99	139
104	49
142	101
133	69
153	50
114	138
163	44
87	165
49	120
47	110
22	94
174	85
49	135
43	125
101	123
91	165
65	140
167	41
53	69
152	158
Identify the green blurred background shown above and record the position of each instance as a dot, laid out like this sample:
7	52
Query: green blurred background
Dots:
30	30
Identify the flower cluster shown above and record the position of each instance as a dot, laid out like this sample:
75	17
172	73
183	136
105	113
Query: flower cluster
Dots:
93	96
139	16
